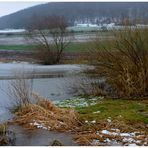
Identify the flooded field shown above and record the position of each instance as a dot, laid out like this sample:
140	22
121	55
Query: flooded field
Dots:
23	40
39	137
52	82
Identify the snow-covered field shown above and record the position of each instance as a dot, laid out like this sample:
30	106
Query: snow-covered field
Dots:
12	30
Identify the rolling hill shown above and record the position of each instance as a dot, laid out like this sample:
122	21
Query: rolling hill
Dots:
79	11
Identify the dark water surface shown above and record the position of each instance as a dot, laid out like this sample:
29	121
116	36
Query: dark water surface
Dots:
39	137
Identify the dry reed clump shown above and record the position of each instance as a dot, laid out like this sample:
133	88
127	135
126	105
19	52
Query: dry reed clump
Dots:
125	63
7	137
46	115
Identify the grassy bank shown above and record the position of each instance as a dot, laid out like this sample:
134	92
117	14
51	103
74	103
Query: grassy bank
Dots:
127	110
94	120
99	109
111	122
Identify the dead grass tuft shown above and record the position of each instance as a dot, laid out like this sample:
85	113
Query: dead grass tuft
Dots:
46	115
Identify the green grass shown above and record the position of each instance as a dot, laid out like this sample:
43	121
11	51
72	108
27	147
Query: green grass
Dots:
17	47
101	109
78	47
127	110
73	47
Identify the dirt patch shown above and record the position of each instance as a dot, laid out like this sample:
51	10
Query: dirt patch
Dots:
12	55
30	56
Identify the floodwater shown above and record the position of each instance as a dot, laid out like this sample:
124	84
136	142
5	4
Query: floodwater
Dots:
21	40
39	137
52	82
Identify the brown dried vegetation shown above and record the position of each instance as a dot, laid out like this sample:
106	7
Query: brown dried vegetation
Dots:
125	62
103	139
47	115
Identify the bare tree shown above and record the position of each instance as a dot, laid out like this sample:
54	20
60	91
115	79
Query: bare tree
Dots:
51	36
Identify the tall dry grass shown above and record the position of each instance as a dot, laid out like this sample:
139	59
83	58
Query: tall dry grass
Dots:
47	115
124	63
20	89
7	137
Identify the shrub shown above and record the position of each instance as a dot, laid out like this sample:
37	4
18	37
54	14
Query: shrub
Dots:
46	56
125	64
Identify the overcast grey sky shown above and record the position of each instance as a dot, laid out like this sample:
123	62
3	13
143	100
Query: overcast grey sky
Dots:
10	7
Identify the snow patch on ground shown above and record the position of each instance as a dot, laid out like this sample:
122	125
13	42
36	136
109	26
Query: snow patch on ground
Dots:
94	121
115	137
109	133
78	102
40	125
97	112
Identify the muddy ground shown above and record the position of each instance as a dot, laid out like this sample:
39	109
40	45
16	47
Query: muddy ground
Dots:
30	56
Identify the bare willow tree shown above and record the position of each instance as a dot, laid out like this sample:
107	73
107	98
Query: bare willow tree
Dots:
52	37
